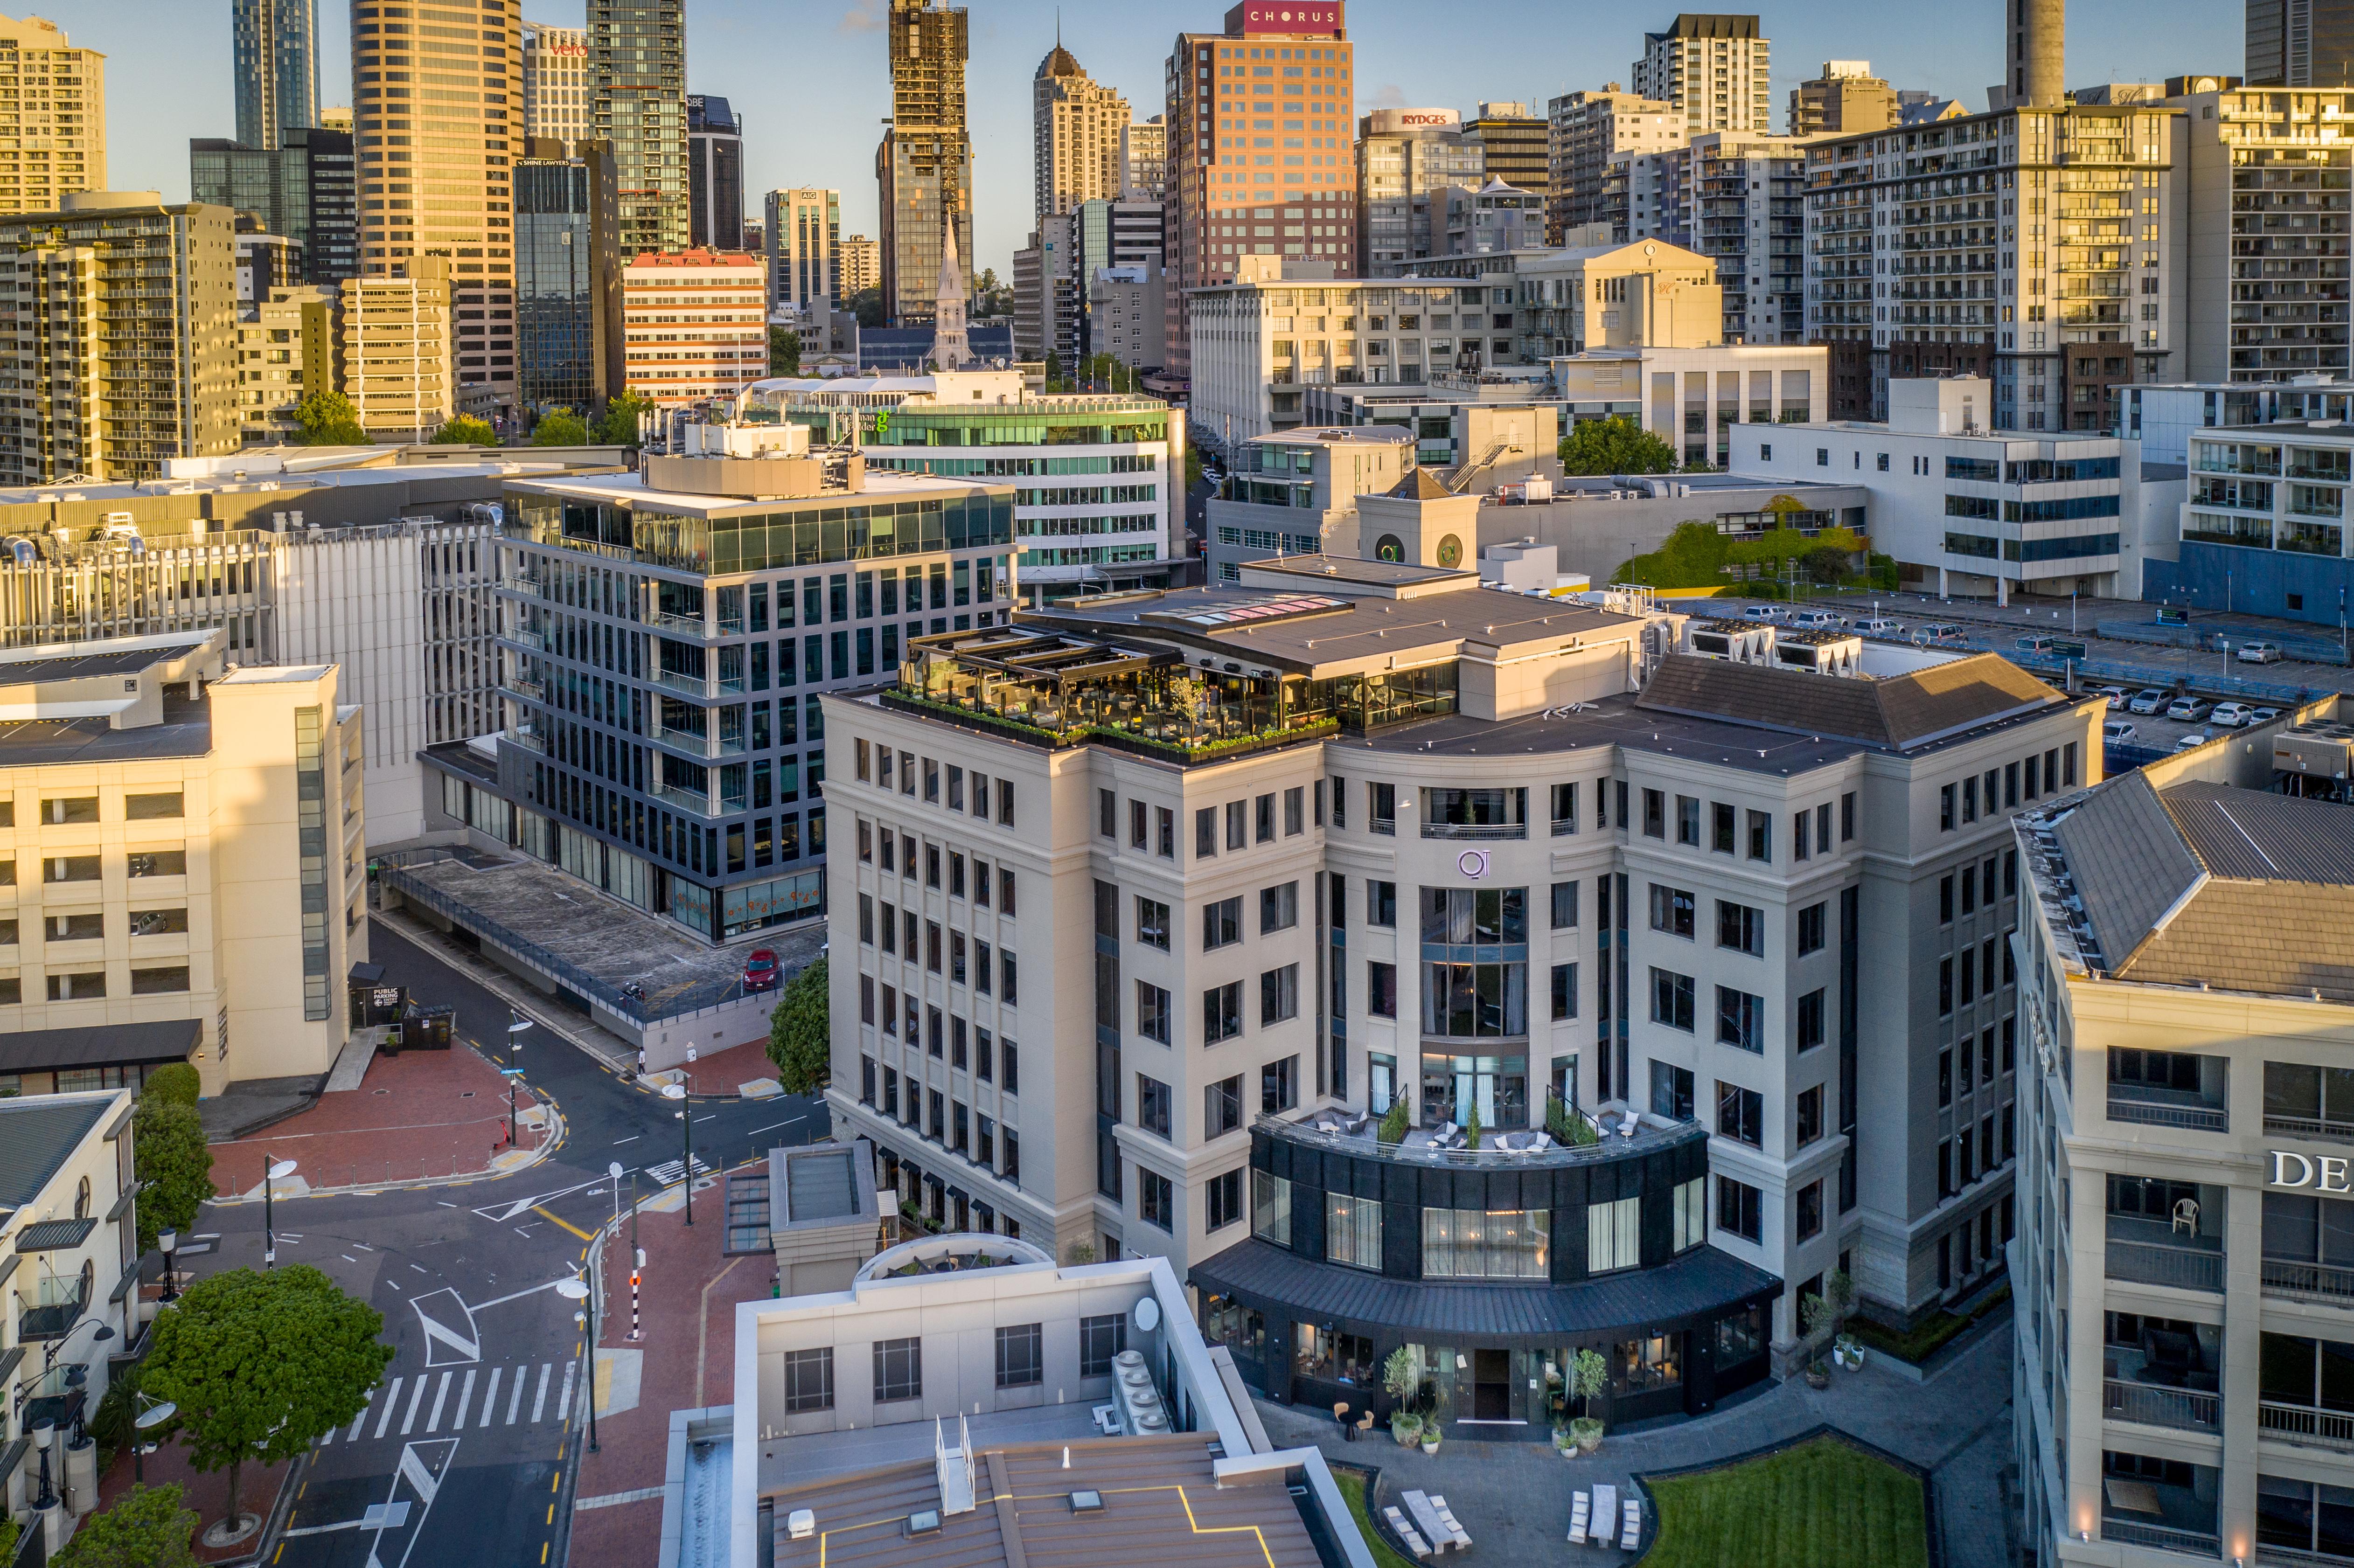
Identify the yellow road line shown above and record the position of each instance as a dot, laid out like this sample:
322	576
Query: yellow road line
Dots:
568	1224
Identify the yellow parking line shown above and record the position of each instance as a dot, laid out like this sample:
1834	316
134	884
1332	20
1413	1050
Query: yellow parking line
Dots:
568	1224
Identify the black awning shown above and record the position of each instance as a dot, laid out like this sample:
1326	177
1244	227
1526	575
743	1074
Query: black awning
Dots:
366	974
53	1236
100	1045
1702	1283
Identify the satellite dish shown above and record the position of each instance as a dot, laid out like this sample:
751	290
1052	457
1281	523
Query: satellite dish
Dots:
1146	1315
157	1416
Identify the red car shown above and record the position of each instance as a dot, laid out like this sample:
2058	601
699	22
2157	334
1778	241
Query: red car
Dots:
760	971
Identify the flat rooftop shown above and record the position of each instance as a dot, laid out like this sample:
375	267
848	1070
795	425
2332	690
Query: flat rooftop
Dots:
1158	1498
186	731
631	490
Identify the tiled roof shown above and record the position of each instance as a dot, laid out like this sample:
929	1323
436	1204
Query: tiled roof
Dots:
36	1134
1899	712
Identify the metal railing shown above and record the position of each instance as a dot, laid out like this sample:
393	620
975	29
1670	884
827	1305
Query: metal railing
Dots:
2146	1263
2268	1556
695	626
2312	1281
2303	1425
2195	1543
2150	1113
531	585
706	687
1475	831
1647	1138
708	746
2153	1405
522	736
2309	1126
685	801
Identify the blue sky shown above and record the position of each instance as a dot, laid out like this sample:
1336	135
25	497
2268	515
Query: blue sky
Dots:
810	76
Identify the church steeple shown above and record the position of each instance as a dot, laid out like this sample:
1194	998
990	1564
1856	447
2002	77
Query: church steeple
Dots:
950	347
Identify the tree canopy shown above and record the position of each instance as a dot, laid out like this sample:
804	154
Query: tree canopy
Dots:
465	430
1697	555
1615	446
263	1365
174	1165
867	305
328	419
145	1527
784	351
618	425
172	1081
1105	373
798	1037
560	427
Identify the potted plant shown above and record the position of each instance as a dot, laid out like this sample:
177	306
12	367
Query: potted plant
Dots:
1430	1435
1848	1350
1393	1126
1820	1317
1589	1374
1406	1427
1471	1129
1400	1376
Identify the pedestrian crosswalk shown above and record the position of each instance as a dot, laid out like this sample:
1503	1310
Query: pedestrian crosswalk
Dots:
670	1171
445	1401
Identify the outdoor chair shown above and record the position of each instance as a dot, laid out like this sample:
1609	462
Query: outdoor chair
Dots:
1405	1533
1579	1506
1633	1533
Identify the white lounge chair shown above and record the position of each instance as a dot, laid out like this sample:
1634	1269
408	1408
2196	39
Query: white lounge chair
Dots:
1107	1420
1405	1533
1633	1533
1627	1126
1580	1506
1462	1537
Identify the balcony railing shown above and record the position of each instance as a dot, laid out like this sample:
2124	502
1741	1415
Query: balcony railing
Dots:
694	626
2152	1405
522	736
2311	1281
2309	1126
1478	831
2153	1113
2195	1543
705	687
700	805
2307	1426
2146	1263
708	746
51	1319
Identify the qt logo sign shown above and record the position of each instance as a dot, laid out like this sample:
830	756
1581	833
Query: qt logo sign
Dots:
1473	863
2322	1172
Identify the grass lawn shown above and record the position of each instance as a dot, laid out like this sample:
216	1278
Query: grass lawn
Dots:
1353	1489
1820	1505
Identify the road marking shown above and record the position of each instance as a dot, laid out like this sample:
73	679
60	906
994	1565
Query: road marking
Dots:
421	1267
631	1139
563	1404
349	1258
615	1499
448	1325
774	1125
445	1205
514	1403
354	1434
391	1397
539	1400
441	1397
491	1397
568	1224
465	1397
362	1246
416	1398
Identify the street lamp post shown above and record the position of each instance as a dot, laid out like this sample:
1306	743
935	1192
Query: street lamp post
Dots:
45	1437
168	1243
686	1132
578	1290
276	1171
516	1024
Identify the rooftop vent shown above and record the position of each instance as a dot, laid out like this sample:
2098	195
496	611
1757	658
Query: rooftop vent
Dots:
1087	1500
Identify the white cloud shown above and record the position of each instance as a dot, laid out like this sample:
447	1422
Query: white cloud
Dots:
1391	96
863	16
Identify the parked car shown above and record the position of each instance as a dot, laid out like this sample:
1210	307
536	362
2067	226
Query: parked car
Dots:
2260	653
1771	613
2196	738
1878	628
1939	634
2117	732
1818	620
2117	695
760	971
2263	716
2232	715
2057	647
2190	709
2149	700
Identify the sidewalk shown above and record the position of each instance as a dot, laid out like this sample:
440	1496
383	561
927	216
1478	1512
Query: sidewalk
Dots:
420	1115
206	1495
685	1361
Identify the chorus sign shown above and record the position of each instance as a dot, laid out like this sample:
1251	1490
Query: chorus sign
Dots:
1314	17
2320	1173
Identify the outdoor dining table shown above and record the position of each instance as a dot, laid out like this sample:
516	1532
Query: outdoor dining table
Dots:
1605	1514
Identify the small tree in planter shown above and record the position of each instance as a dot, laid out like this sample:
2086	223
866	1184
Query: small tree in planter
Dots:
1820	1317
1394	1122
1589	1374
1406	1427
1471	1128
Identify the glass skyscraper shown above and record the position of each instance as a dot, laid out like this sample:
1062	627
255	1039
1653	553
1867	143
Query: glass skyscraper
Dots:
567	276
277	53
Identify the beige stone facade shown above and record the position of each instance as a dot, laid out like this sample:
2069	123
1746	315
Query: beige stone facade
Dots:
57	94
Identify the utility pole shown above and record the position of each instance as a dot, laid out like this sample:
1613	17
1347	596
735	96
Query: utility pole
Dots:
516	1024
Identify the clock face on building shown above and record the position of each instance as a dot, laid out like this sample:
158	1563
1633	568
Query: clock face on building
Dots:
1450	551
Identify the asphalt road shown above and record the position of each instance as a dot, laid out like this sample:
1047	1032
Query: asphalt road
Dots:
473	1426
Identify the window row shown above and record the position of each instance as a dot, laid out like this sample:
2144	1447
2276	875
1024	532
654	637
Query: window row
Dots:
943	869
898	1365
1972	974
965	961
138	864
905	768
59	810
2002	789
943	1037
1961	892
1245	823
1732	831
1972	1152
89	985
1740	1014
950	1123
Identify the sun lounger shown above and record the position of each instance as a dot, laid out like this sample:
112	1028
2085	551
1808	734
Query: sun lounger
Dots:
1405	1533
1633	1533
1578	1515
1462	1537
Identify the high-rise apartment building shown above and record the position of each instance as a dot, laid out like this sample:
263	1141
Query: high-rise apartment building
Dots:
1255	170
460	139
396	338
1404	156
861	266
1846	99
637	55
2060	302
286	349
715	347
1745	204
276	46
1144	158
802	232
557	85
923	168
568	332
1584	132
60	97
1513	146
1715	67
714	174
1078	125
2300	43
303	188
109	382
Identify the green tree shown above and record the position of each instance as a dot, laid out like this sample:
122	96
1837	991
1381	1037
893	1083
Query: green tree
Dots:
327	419
1105	373
465	430
560	427
145	1527
1694	555
1615	446
263	1365
1192	467
618	425
800	1042
784	351
991	298
172	1081
867	305
174	1165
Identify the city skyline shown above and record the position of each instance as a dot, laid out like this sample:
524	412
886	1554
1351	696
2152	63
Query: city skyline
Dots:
171	74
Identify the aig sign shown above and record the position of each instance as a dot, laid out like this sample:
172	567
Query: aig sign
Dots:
2321	1173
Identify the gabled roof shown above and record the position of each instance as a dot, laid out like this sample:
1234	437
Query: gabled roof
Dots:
1419	485
2201	884
1898	713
